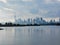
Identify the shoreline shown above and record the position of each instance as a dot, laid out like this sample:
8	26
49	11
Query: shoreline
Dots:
24	25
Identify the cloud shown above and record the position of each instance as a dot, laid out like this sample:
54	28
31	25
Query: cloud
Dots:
34	11
58	0
48	1
43	12
4	1
27	0
8	9
51	1
0	13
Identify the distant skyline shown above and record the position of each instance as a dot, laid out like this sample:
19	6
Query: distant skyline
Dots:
29	9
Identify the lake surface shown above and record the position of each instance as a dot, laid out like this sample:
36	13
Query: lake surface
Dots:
32	35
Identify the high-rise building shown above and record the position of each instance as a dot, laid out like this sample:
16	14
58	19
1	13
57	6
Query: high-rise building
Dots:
59	20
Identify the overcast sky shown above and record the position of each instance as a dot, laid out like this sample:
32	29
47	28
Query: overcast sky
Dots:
29	8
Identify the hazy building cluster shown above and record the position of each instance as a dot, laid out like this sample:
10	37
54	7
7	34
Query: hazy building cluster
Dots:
31	22
36	20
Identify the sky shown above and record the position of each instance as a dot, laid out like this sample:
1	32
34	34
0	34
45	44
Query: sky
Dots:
28	9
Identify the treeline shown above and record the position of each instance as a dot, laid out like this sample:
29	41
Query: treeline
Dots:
12	24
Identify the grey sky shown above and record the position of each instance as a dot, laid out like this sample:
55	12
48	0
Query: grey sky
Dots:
29	8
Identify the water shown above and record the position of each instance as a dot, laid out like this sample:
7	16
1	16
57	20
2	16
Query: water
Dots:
36	35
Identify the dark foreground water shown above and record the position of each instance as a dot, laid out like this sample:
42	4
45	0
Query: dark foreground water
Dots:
36	35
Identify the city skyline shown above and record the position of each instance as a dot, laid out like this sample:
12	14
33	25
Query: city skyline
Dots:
38	19
13	19
31	22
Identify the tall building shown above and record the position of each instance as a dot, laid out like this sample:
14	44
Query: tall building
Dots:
29	21
15	17
59	20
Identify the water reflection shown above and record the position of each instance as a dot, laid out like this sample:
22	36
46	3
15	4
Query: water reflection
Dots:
44	35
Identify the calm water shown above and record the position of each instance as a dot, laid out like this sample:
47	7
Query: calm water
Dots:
38	35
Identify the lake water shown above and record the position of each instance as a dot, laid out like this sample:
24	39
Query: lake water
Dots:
32	35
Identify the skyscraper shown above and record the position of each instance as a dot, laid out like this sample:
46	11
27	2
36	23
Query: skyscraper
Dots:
59	20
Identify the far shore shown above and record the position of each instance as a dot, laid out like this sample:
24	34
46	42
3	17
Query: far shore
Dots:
27	25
